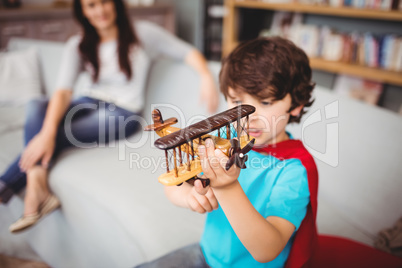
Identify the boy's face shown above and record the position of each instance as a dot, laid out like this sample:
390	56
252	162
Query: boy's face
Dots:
267	124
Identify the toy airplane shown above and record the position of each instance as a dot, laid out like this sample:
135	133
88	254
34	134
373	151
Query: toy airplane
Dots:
183	143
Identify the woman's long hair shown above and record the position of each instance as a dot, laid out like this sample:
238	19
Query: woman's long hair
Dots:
90	40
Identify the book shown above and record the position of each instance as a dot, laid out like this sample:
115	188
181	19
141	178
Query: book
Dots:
366	49
333	47
324	33
336	3
380	40
347	48
362	89
388	47
307	38
347	3
283	24
393	54
360	51
386	4
355	37
398	56
395	4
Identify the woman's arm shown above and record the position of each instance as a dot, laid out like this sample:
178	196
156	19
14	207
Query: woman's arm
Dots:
209	93
56	110
158	43
41	147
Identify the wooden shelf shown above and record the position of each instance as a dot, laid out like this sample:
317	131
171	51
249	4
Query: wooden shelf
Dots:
51	11
393	15
380	75
230	34
31	21
376	74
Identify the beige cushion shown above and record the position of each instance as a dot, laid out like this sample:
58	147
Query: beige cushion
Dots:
19	77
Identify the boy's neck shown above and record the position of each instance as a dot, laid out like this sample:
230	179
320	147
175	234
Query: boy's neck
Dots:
274	142
278	139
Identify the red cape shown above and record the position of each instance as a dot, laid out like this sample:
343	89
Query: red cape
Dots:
306	238
311	250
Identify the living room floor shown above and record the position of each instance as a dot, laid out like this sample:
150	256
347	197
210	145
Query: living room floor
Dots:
14	245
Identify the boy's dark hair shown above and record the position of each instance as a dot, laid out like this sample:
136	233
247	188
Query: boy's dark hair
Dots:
269	68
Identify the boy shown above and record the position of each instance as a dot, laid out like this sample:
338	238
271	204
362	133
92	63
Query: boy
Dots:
254	214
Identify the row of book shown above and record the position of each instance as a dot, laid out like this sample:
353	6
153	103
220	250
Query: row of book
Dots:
377	51
364	4
382	51
332	46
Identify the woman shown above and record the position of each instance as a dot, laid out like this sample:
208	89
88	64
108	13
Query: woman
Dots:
118	57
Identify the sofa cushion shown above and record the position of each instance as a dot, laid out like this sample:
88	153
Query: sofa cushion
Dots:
357	149
49	54
11	135
19	77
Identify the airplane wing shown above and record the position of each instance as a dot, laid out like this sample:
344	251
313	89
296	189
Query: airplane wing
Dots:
203	127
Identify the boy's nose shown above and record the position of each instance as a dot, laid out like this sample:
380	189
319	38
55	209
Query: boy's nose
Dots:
253	119
254	116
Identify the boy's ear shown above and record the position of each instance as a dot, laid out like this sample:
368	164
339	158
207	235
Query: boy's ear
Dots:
296	111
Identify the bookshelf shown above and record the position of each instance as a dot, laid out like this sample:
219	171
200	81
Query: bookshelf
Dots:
213	21
393	15
54	23
230	32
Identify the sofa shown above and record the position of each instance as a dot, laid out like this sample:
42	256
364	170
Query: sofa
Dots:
114	212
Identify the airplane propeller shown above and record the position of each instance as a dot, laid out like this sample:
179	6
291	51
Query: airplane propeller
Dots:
238	156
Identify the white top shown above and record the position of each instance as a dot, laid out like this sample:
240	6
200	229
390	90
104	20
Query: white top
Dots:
112	85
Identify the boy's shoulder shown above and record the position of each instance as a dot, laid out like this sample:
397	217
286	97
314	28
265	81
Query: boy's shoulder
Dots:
288	150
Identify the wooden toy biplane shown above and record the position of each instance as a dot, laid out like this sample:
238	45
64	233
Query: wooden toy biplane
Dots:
183	143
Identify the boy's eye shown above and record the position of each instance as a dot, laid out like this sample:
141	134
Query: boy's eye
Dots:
238	102
265	103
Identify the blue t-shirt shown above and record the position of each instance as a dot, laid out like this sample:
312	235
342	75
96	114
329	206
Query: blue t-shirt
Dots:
275	187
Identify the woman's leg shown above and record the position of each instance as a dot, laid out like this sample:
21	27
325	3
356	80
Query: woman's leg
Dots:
103	123
14	180
37	190
93	123
86	121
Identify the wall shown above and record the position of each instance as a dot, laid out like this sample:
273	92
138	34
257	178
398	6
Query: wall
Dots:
188	20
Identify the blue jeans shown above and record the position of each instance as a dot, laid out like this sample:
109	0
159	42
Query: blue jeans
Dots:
93	122
188	257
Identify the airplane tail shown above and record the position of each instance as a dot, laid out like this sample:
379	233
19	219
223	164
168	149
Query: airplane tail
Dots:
159	123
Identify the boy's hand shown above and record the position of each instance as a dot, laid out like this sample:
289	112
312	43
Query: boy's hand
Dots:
201	199
213	166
